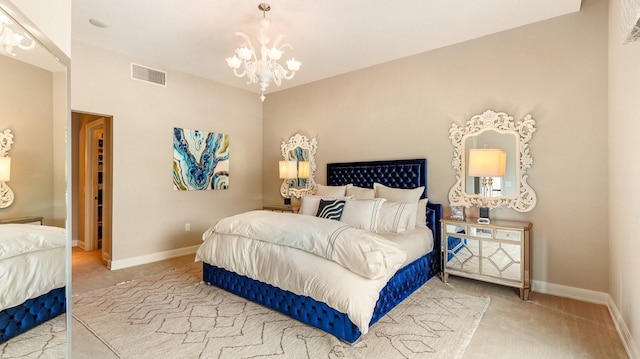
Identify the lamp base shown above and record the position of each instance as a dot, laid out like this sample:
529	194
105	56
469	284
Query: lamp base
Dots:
287	201
483	216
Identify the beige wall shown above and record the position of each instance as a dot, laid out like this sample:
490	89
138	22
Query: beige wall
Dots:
624	176
148	215
26	107
555	70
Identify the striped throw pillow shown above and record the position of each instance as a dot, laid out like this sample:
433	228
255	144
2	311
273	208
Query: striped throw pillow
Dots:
330	209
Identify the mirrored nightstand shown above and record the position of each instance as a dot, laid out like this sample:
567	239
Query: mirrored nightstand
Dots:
498	252
22	220
281	208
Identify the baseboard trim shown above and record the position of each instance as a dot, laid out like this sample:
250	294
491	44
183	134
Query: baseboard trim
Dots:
584	295
625	335
151	258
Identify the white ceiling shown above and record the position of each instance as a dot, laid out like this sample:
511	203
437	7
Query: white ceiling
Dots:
330	37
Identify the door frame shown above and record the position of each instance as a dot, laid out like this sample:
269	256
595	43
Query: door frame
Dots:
91	184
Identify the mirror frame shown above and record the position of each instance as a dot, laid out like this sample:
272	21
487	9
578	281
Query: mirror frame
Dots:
311	145
525	199
61	57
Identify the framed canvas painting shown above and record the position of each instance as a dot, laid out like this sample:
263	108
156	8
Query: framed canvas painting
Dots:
200	160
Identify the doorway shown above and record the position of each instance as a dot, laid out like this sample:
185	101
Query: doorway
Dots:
91	152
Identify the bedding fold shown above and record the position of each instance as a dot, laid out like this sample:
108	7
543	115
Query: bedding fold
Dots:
18	239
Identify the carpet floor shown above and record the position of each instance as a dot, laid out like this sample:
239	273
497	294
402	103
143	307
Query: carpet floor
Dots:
175	315
45	341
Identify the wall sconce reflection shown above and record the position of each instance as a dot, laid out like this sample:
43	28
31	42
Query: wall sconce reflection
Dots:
6	194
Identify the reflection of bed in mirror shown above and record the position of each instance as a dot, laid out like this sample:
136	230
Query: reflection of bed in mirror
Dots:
32	276
36	110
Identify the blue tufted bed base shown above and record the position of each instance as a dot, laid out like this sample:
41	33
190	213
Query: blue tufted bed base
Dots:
397	174
19	319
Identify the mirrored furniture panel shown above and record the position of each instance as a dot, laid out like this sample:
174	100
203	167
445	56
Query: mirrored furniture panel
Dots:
498	252
494	130
301	150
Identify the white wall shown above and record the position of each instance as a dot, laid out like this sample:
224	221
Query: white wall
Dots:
556	70
148	215
624	177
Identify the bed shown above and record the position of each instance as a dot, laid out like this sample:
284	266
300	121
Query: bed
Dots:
394	286
32	276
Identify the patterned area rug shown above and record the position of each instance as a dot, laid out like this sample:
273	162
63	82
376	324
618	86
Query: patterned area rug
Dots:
46	341
177	316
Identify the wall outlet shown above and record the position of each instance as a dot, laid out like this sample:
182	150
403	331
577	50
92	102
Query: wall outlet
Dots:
187	227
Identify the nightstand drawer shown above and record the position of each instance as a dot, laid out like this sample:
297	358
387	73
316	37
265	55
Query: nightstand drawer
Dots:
483	232
507	234
455	228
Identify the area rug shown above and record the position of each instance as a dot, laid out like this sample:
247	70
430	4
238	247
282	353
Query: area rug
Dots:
175	315
45	341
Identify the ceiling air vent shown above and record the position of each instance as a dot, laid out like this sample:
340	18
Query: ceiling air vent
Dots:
142	73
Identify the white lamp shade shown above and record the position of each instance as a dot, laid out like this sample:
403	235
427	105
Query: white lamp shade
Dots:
288	169
303	169
5	169
487	162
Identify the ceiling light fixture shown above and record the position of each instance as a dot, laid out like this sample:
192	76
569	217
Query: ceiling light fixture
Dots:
9	38
266	68
98	23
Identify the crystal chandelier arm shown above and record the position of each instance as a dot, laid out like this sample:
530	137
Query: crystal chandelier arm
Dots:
242	74
248	44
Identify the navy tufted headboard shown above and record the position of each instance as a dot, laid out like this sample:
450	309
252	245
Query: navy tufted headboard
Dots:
396	174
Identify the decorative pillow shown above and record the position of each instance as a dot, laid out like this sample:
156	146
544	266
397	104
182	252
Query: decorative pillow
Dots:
396	217
398	194
360	192
330	209
330	191
421	214
362	213
310	203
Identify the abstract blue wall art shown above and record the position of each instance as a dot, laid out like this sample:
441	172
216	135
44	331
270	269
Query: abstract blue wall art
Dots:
200	160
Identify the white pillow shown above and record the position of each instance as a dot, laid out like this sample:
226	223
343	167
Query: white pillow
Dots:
360	192
309	204
330	191
362	213
398	194
396	217
421	214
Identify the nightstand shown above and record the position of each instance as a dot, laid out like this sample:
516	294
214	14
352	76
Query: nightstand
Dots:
498	252
281	208
22	220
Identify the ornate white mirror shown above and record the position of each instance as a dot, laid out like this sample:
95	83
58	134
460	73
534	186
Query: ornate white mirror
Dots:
302	150
494	130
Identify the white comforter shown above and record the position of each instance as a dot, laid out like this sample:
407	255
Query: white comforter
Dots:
32	262
336	264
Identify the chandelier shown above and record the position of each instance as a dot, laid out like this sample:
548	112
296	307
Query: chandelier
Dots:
10	39
266	68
